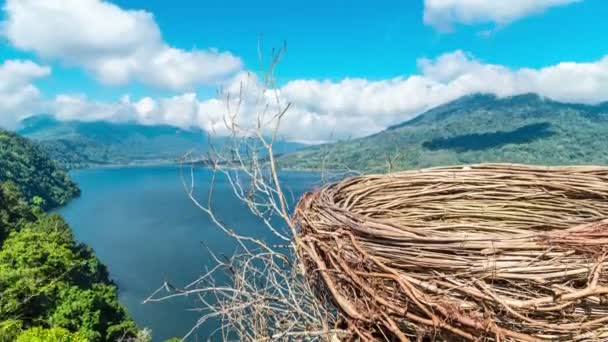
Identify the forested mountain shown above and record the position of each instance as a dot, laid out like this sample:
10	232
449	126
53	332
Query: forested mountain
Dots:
77	144
473	129
51	288
81	144
26	165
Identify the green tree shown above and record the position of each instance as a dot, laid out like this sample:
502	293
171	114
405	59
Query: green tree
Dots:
14	209
95	313
9	329
26	165
53	334
48	280
51	288
33	264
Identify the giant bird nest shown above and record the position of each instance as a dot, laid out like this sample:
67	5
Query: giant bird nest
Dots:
489	252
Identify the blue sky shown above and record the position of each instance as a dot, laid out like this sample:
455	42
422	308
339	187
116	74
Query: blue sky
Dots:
374	39
401	57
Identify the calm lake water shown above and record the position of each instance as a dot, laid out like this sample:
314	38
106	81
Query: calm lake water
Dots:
143	227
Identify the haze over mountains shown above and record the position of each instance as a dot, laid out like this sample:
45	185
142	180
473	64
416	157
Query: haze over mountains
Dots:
473	129
77	144
477	128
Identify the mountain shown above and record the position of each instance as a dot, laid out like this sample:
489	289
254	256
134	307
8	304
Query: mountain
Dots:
477	128
77	144
27	166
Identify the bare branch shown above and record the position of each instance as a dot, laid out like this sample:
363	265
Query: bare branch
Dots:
260	293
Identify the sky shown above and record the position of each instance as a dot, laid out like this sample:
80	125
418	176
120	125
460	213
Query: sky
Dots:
351	68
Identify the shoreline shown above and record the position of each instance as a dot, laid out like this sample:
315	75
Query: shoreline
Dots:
177	164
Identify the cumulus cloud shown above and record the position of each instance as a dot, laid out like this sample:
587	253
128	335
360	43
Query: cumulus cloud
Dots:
115	45
442	14
356	107
328	110
80	107
18	96
460	73
186	110
179	111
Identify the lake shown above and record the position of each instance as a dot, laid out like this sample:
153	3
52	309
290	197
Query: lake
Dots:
143	227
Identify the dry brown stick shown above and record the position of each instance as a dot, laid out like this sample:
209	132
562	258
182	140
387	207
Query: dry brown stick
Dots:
518	232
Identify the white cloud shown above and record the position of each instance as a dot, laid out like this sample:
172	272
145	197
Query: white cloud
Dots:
567	81
18	96
79	107
325	110
442	14
115	45
180	111
356	107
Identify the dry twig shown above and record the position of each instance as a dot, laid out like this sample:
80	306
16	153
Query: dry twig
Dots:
260	292
493	251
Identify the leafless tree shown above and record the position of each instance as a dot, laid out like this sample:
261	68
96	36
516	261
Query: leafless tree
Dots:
260	293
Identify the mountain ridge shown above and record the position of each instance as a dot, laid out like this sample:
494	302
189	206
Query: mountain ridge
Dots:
476	128
80	144
485	98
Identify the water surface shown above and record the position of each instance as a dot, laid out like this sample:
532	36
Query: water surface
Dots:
143	227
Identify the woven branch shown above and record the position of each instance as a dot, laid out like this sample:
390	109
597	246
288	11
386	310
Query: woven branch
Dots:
491	252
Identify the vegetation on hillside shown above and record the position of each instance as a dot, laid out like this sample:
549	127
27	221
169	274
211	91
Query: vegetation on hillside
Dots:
75	144
51	288
27	166
474	129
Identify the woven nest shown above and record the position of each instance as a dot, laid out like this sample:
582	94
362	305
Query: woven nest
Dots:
488	252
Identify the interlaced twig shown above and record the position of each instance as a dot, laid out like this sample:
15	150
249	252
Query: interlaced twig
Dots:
493	251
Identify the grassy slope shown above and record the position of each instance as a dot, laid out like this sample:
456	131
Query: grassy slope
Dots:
479	128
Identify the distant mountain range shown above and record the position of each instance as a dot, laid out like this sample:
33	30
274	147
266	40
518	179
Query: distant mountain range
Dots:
77	144
473	129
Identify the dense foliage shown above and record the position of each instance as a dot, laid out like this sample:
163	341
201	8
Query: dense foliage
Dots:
51	288
48	281
473	129
14	209
38	334
76	144
27	166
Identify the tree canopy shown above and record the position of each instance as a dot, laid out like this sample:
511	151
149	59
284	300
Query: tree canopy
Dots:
26	165
51	288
